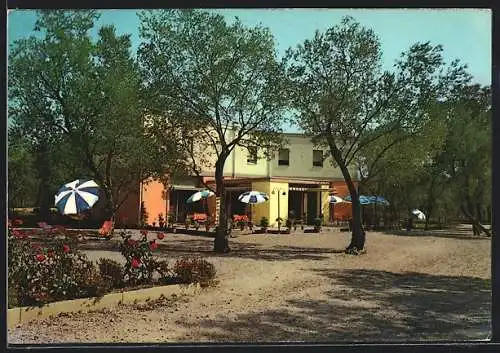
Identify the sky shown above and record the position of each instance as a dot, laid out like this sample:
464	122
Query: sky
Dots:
465	34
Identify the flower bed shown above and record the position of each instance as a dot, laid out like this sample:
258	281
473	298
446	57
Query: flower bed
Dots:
59	271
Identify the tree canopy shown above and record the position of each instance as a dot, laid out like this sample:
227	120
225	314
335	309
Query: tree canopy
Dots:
65	88
219	82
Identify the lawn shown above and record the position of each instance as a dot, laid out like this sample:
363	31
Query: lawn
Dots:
301	287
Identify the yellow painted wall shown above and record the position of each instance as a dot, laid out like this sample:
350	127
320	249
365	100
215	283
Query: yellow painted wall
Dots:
273	202
301	161
325	205
241	167
270	209
262	209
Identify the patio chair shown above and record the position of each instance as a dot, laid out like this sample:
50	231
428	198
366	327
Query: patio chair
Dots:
106	229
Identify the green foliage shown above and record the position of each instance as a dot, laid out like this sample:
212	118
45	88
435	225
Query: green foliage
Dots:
40	275
111	271
22	178
345	101
217	85
264	222
65	89
194	270
140	265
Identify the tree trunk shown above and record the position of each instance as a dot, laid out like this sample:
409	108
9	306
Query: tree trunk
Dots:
221	241
110	208
358	234
475	223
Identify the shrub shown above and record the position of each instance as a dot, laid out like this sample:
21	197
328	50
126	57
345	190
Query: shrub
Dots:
40	275
194	270
264	222
139	265
318	222
111	271
161	220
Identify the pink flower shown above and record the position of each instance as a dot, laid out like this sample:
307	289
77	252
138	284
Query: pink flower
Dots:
136	263
66	248
153	245
144	232
160	236
40	257
132	242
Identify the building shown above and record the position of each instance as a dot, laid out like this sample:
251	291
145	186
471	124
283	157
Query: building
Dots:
297	179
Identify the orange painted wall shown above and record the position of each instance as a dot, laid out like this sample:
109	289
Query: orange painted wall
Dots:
128	214
155	200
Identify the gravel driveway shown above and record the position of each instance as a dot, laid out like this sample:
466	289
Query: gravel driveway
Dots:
300	287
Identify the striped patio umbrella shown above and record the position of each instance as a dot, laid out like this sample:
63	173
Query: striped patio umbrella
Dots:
76	196
200	195
336	199
253	197
369	200
419	214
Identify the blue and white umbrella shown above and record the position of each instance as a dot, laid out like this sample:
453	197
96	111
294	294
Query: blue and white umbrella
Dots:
200	195
419	214
369	200
336	199
77	196
253	197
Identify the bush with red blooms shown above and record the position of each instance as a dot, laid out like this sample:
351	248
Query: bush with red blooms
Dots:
140	265
56	271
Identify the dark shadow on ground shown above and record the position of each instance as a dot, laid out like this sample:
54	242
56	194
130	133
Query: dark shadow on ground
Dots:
181	247
204	247
369	306
442	233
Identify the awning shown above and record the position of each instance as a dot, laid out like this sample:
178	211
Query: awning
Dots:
293	188
185	187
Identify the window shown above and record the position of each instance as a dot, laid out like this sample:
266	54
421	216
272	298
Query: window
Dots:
317	158
284	156
252	155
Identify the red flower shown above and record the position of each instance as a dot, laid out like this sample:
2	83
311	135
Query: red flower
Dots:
18	222
144	232
66	248
132	242
153	245
161	236
18	234
40	257
136	263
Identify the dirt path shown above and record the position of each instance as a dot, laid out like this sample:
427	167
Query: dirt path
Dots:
299	288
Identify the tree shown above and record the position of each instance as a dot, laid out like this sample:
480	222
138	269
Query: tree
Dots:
22	179
66	89
407	175
219	83
345	101
466	157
